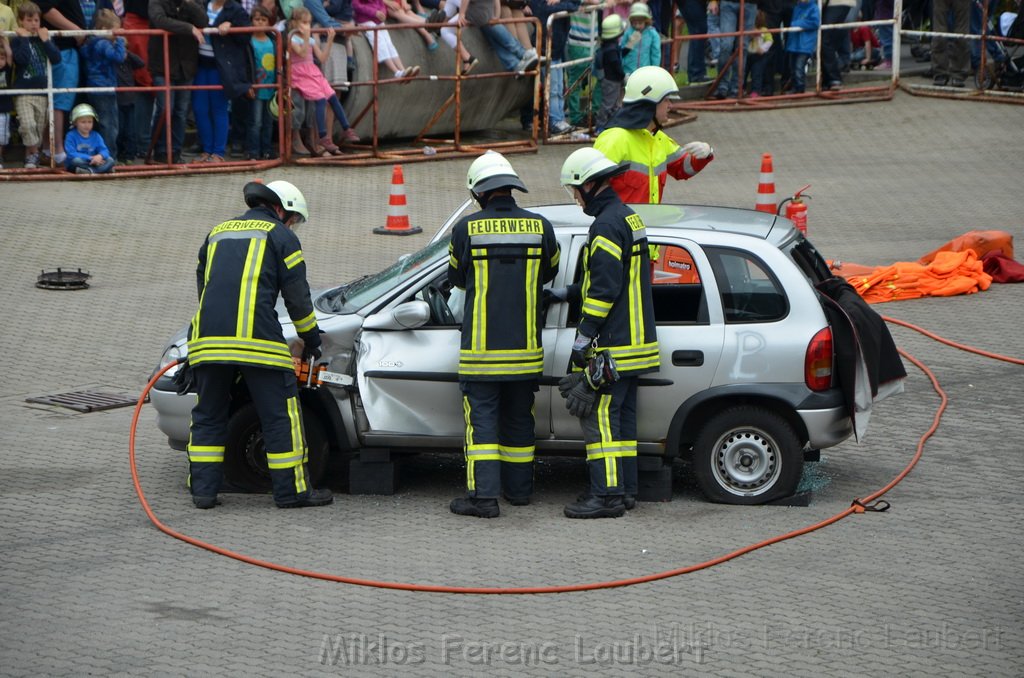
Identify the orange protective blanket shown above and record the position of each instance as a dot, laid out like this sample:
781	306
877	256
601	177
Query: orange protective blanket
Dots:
954	268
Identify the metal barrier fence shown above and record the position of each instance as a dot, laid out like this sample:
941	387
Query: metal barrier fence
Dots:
372	152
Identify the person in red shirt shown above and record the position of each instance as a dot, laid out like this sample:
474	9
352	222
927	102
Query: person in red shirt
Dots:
867	52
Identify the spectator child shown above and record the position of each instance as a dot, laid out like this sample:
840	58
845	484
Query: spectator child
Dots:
224	59
449	14
341	11
401	12
6	102
310	81
128	105
800	46
102	55
85	149
261	122
641	44
609	69
757	55
31	48
372	13
867	51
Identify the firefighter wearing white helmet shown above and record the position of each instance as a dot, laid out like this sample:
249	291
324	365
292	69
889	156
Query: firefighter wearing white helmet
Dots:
499	260
635	135
616	340
244	264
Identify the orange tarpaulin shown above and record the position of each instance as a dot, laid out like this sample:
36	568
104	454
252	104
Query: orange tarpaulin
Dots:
955	268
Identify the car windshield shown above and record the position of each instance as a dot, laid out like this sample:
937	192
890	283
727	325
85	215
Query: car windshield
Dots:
354	295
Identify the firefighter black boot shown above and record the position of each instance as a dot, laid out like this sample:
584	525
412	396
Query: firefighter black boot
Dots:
205	502
312	498
473	506
609	506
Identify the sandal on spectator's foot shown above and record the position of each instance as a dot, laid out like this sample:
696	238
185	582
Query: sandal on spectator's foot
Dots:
468	65
214	158
203	157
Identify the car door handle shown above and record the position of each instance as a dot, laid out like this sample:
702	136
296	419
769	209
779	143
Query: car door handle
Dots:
687	358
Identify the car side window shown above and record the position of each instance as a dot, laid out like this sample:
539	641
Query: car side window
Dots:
749	290
679	296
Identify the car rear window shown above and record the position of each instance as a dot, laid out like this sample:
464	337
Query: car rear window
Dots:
749	290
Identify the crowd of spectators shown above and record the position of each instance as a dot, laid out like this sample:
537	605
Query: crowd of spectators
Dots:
235	110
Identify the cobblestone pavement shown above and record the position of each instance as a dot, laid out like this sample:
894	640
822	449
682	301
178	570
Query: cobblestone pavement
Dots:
932	587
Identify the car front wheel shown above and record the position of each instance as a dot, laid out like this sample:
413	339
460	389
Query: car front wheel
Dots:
245	460
747	455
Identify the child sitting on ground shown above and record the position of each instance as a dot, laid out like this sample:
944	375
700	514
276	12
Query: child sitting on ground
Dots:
85	149
32	48
102	55
310	81
801	46
867	49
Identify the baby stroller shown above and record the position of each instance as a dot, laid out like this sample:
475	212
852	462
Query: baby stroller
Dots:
1007	71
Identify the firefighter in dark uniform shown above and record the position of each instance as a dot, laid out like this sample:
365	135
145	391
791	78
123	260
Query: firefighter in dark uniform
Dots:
501	256
617	316
244	264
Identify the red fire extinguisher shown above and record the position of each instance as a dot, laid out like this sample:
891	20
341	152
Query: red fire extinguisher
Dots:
796	210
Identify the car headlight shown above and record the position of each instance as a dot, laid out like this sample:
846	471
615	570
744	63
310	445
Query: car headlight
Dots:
173	354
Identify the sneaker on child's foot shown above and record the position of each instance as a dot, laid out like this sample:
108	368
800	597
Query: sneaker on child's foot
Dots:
350	136
32	161
60	158
83	170
560	127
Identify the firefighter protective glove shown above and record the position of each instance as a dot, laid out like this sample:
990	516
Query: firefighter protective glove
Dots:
579	396
698	149
184	379
311	345
580	348
555	295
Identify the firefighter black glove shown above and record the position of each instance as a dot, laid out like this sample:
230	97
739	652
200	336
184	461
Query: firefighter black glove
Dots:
184	379
555	295
311	345
580	350
579	400
568	383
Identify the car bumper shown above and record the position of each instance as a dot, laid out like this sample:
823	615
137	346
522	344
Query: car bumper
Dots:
826	427
173	412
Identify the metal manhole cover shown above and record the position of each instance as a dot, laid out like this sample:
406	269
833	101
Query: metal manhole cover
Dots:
63	280
85	401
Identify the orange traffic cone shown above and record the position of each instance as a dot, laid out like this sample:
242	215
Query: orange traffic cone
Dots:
398	214
766	187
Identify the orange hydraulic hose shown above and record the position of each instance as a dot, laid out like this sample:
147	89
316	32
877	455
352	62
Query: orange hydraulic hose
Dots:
858	506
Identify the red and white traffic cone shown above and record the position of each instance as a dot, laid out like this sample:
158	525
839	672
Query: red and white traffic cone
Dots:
766	187
398	213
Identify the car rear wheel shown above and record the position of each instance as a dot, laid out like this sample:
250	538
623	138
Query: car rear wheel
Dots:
245	460
747	455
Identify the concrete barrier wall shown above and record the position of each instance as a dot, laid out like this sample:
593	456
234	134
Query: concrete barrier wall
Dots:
404	109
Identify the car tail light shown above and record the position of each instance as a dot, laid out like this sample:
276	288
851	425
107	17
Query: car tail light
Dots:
818	361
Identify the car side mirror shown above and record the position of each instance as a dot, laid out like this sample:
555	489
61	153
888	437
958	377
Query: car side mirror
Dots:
406	316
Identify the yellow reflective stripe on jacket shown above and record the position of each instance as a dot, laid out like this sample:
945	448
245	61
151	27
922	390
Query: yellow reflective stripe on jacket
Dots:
603	243
294	259
596	307
631	358
250	284
305	324
636	306
480	276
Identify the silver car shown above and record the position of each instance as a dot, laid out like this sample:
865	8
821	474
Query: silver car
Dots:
745	393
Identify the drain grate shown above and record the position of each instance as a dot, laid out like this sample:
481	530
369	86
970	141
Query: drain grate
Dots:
63	280
85	401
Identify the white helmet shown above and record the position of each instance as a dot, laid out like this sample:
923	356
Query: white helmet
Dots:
650	83
612	27
82	110
640	9
490	171
281	193
588	164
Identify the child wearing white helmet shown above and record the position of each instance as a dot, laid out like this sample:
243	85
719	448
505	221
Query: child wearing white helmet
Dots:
86	151
641	43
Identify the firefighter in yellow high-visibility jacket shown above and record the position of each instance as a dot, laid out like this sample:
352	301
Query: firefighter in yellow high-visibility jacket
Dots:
634	136
501	256
244	264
